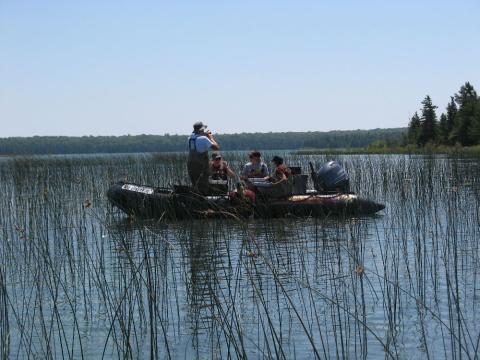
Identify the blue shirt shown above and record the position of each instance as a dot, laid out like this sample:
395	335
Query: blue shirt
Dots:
201	143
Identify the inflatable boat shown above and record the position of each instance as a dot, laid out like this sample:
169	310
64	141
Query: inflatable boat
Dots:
330	197
150	202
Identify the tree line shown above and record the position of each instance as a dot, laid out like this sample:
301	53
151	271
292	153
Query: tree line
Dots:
170	143
459	124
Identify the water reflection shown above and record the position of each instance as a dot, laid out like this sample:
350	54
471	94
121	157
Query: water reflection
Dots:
79	280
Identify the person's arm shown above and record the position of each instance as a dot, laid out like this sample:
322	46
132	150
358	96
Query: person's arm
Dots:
265	174
282	178
277	178
214	145
244	174
229	171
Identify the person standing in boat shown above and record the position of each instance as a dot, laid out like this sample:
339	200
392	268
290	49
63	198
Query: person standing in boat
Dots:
199	142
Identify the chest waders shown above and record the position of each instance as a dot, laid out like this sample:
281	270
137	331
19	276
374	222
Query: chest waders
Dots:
198	167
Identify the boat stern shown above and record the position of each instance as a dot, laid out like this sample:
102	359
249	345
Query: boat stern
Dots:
366	207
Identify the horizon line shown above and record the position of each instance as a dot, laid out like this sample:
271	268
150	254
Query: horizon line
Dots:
216	134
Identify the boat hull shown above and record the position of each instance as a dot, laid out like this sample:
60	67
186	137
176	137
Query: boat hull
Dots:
149	202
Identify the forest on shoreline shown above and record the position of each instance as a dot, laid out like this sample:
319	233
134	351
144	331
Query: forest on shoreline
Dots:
348	139
457	126
456	130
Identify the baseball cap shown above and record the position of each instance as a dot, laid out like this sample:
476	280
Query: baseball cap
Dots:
199	126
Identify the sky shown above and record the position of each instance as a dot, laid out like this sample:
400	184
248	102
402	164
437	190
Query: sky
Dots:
156	67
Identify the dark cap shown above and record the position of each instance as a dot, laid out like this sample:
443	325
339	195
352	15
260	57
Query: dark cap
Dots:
277	160
216	155
198	126
254	153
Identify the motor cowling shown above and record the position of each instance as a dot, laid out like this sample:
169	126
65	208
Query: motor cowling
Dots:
331	177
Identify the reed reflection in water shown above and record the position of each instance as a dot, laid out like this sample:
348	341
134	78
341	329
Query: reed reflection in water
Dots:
78	279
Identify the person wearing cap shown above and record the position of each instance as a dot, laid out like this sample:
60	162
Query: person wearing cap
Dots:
199	142
219	174
256	168
281	173
219	169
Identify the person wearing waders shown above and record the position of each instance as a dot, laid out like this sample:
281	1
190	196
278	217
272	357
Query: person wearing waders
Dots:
198	163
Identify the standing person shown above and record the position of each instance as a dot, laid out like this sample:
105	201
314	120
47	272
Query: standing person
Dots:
256	168
199	142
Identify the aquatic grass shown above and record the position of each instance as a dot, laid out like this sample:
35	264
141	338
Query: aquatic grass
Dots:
4	327
77	279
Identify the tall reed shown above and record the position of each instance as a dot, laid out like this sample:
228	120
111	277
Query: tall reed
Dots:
80	280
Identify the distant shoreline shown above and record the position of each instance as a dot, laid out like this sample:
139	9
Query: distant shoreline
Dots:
43	145
397	150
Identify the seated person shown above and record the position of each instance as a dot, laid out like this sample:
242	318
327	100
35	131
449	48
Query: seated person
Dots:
281	173
219	174
256	168
219	168
277	185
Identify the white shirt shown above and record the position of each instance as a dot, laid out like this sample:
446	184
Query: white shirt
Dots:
255	169
202	143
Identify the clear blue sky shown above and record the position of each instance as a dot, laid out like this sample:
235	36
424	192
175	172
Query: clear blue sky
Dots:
118	67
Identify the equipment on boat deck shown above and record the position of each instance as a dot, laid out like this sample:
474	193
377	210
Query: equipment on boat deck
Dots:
330	178
290	198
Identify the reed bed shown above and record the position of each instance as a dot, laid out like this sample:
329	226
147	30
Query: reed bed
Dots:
80	280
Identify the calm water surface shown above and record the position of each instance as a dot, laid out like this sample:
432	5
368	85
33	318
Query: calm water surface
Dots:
79	279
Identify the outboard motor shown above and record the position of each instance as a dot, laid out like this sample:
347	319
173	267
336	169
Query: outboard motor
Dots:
331	177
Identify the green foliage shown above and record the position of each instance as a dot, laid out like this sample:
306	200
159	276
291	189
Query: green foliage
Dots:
443	129
465	122
451	113
171	143
476	122
428	129
379	144
414	130
460	124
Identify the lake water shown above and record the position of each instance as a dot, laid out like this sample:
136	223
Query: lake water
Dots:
80	280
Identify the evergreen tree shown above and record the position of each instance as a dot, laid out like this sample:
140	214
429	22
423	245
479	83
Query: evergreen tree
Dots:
414	128
463	131
451	113
428	129
476	123
443	132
